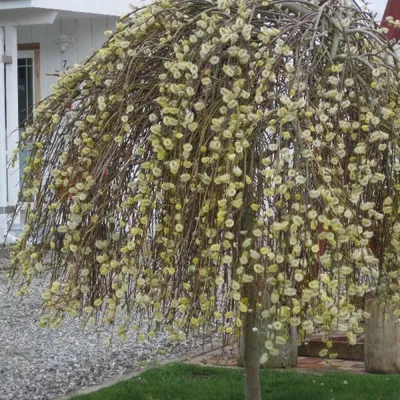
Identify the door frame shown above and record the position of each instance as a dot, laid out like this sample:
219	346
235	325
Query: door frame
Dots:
35	47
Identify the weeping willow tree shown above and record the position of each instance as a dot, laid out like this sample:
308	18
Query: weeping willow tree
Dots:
219	167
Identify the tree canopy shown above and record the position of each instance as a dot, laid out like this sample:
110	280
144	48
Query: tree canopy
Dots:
220	163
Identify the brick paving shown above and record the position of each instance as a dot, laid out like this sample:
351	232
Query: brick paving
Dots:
227	357
315	363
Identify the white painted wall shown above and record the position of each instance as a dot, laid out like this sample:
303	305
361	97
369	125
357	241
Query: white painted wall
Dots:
101	7
87	34
106	7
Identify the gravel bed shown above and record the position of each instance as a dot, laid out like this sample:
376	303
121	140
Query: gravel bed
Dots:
38	363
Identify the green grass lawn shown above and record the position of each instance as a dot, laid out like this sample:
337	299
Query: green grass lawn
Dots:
188	382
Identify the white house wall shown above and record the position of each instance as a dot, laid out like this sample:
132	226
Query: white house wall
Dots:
87	34
99	7
106	7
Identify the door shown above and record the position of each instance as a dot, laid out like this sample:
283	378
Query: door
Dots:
26	95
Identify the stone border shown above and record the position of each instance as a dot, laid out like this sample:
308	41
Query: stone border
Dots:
129	375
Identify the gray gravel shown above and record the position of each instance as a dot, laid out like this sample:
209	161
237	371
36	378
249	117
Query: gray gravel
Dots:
43	364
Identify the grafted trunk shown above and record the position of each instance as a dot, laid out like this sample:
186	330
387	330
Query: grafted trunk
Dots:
251	347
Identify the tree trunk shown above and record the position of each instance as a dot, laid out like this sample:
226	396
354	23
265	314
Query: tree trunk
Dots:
251	360
288	353
251	347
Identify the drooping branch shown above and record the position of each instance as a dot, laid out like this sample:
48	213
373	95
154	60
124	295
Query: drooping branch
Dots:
140	189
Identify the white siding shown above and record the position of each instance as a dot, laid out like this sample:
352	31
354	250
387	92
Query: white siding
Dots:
105	7
87	34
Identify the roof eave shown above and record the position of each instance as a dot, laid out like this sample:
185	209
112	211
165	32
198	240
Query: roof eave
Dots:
101	8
